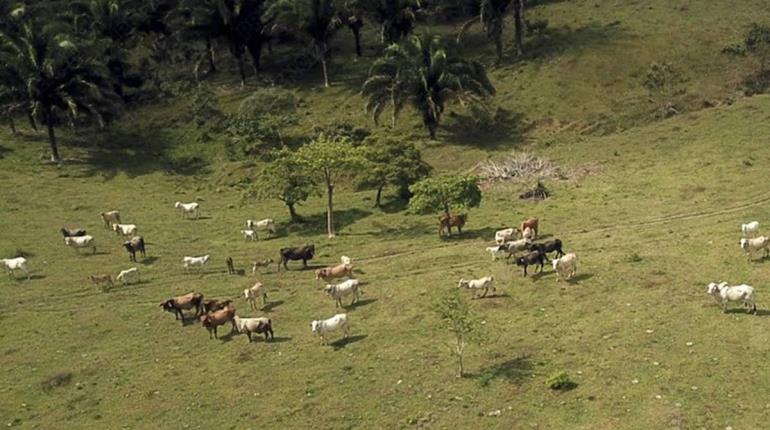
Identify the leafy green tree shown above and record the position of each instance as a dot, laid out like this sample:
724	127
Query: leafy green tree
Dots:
664	84
315	19
492	18
284	179
420	72
262	122
444	193
393	162
757	43
328	158
458	318
61	75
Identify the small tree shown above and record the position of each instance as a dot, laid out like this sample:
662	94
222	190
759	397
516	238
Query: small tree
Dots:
262	122
663	84
328	158
284	179
397	163
459	319
757	43
444	193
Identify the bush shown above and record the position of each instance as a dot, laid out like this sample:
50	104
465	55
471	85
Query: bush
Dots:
560	381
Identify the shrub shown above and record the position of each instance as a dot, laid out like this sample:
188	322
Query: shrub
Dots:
560	381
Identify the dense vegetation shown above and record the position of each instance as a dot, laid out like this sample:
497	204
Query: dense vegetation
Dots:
652	112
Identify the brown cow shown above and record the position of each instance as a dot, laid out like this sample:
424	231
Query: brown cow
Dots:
212	320
333	272
101	280
180	303
447	222
531	223
211	305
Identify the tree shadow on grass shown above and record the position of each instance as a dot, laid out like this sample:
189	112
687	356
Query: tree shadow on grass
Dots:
555	41
498	130
4	151
316	223
514	370
344	342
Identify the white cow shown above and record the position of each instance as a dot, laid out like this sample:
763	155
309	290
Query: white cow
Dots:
195	261
750	229
485	283
323	327
266	224
251	294
249	234
109	218
346	288
128	276
502	236
126	230
188	209
496	251
723	294
77	242
12	264
750	246
566	266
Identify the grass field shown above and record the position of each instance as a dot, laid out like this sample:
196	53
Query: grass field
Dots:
658	218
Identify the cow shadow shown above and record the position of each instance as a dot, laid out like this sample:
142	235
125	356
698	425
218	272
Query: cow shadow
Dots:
344	342
360	303
270	306
580	277
760	312
279	339
148	261
544	273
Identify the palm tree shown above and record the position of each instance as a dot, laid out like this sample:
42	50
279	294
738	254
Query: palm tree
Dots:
59	75
315	19
397	18
420	72
491	16
350	16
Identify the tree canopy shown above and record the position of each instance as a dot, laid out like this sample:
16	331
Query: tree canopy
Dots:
445	193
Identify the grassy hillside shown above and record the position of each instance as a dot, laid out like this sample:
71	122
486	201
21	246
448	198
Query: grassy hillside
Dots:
656	224
655	221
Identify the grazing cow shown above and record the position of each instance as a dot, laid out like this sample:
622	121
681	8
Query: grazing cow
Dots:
109	218
503	236
516	246
125	230
260	325
260	263
739	293
266	224
211	305
750	246
102	281
128	276
447	222
549	246
258	290
496	251
188	209
178	304
249	234
13	264
303	253
566	266
135	244
334	272
528	234
323	327
750	229
195	261
77	242
531	223
347	288
533	258
68	232
484	283
230	266
211	321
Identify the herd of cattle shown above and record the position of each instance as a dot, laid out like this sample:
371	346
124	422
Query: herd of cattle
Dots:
517	243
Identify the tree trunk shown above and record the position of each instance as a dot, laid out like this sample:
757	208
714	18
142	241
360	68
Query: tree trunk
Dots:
356	29
330	209
432	129
210	54
459	351
52	137
293	213
379	196
518	21
242	71
32	122
12	124
499	47
324	56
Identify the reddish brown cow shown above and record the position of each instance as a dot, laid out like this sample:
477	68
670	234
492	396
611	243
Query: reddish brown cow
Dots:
333	272
531	223
212	320
447	222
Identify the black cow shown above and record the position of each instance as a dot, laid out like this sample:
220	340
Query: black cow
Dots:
75	232
303	253
531	259
135	244
546	247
